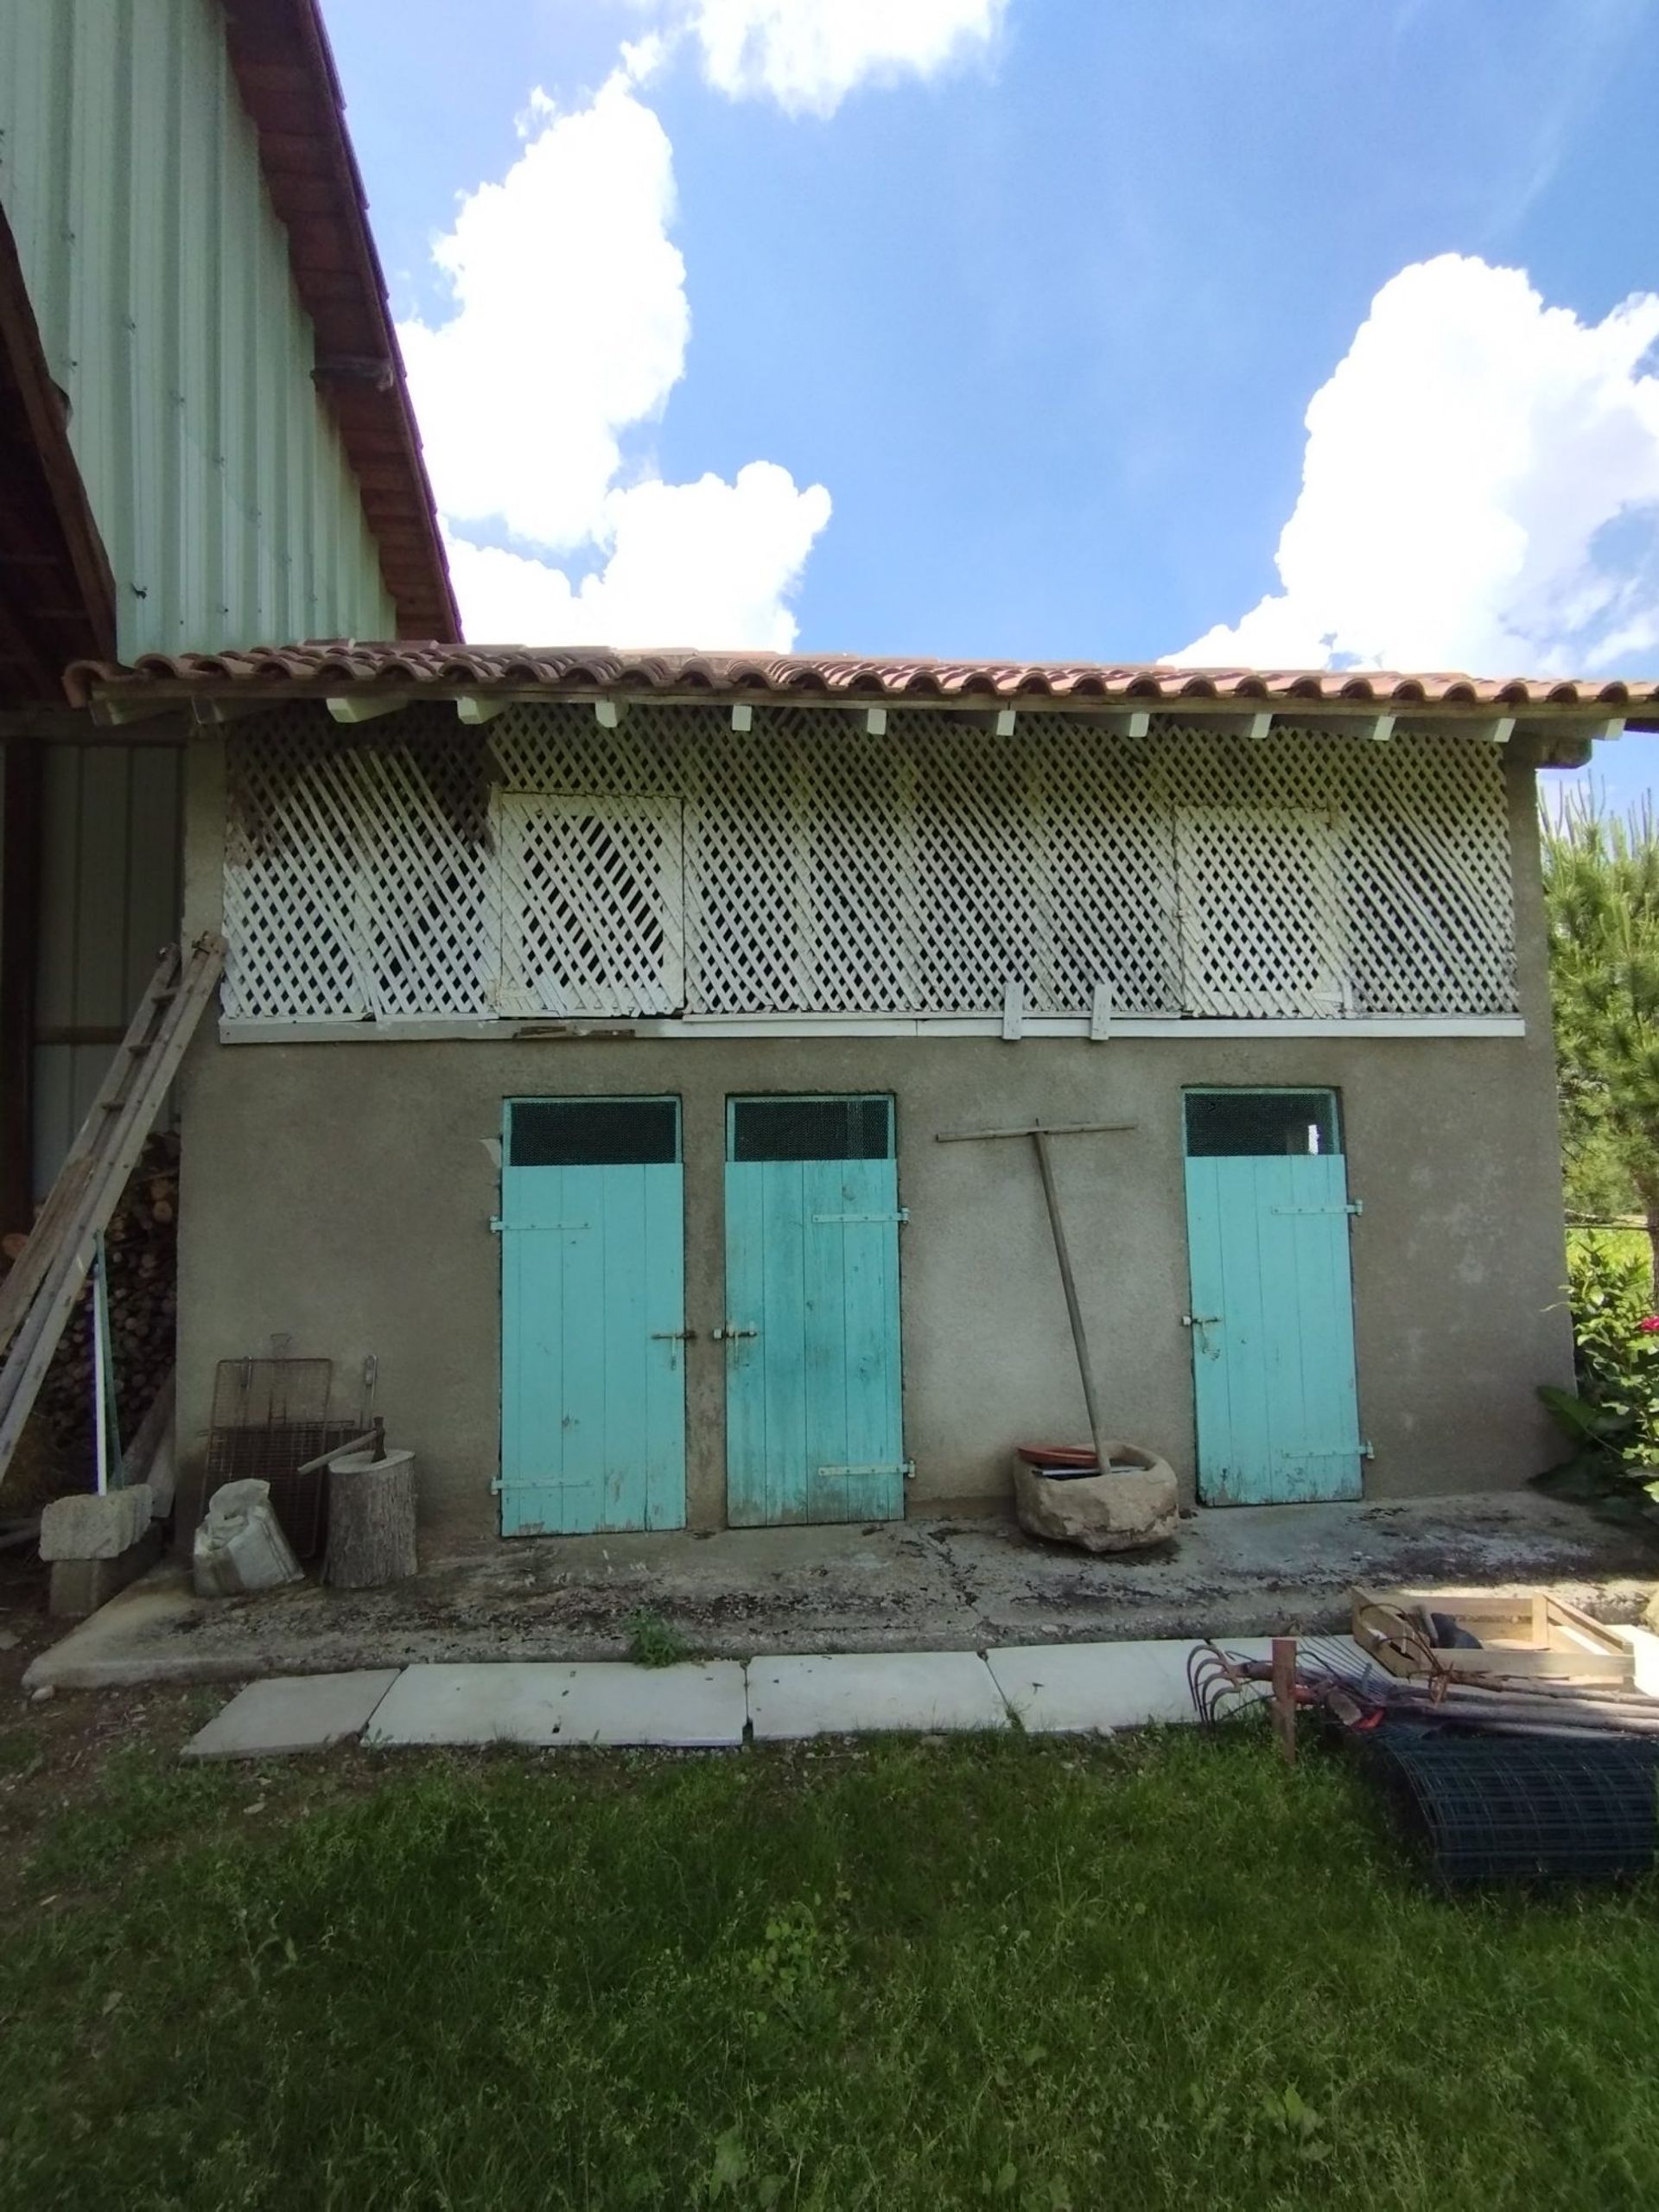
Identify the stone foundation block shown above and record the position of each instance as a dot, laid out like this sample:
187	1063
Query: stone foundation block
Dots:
91	1527
80	1586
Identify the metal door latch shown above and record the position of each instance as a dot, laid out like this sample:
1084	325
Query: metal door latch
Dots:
672	1336
728	1332
1199	1320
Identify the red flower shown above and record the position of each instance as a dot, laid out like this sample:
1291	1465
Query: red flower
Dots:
1649	1325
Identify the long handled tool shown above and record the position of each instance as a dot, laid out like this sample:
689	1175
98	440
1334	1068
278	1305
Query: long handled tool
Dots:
1040	1137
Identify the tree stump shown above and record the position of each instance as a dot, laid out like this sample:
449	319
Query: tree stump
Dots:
371	1520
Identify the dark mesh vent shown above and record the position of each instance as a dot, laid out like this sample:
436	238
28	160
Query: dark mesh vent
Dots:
595	1132
1260	1124
812	1128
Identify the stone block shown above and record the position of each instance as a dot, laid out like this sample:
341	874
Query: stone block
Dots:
91	1527
1136	1502
80	1586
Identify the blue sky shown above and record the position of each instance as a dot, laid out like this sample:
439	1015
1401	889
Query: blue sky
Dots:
990	327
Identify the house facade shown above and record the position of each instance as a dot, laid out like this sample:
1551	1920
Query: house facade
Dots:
618	1048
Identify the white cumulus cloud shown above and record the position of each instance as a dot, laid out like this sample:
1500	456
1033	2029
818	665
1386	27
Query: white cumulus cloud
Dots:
809	54
569	334
709	563
1480	490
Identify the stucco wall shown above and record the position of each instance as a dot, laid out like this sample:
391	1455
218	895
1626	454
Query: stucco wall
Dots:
340	1195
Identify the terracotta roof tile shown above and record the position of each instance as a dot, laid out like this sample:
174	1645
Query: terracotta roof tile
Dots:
342	666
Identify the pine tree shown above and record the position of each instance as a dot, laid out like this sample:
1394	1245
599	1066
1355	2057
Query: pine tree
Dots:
1601	885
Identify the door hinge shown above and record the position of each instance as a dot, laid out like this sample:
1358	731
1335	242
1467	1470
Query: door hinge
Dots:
902	1215
1354	1206
672	1336
905	1467
499	1227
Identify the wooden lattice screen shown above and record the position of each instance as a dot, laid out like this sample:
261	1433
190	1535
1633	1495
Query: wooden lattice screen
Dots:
543	864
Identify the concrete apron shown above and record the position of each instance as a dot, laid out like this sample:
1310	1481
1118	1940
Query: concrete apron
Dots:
928	1584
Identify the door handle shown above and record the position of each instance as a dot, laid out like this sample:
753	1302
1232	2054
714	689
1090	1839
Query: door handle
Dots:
1199	1320
673	1336
728	1332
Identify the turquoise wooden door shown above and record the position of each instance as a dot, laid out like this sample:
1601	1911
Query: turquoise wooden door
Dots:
592	1317
814	1412
1273	1314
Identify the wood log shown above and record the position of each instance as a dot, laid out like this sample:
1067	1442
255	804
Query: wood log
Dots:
371	1520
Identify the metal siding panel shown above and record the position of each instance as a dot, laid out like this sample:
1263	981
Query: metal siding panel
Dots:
131	179
153	862
54	971
90	376
52	1080
196	387
100	993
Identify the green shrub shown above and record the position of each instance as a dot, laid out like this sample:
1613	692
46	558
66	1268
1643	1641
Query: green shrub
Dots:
1611	1419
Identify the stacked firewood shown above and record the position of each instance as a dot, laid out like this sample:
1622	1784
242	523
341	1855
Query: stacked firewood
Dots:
142	1242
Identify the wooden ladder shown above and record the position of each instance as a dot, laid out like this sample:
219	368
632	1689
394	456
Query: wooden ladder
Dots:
39	1295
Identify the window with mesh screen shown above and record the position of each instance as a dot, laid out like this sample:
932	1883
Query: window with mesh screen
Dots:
595	1132
811	1128
1260	1124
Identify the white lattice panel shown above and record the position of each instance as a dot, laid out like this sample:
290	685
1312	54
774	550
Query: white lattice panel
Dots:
591	903
544	865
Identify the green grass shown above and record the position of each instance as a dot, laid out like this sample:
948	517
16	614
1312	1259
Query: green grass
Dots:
1006	1972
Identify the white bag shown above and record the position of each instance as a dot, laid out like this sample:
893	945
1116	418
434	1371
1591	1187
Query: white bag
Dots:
240	1545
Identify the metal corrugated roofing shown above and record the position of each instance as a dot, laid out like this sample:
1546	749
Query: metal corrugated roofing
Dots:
285	73
345	666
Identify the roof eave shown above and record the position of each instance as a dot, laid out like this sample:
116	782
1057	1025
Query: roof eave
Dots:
285	72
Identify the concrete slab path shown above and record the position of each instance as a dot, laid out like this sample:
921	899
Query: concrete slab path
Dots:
785	1697
853	1693
688	1707
1072	1688
1077	1690
302	1712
